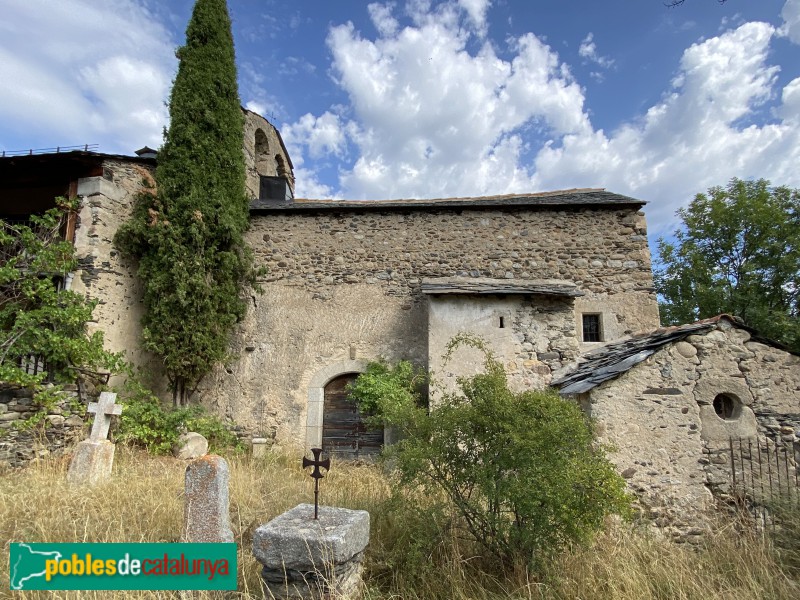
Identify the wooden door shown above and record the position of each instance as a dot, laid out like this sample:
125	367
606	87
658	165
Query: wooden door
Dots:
344	433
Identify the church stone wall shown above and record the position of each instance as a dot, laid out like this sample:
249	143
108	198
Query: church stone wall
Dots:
103	275
667	439
346	285
264	153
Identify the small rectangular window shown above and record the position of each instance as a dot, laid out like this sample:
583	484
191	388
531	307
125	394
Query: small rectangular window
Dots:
591	328
502	322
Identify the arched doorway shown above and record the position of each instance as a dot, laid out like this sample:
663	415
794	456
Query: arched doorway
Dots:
344	433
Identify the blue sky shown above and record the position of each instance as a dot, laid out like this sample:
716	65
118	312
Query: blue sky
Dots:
422	98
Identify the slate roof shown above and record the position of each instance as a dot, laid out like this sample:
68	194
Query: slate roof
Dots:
482	286
561	198
615	358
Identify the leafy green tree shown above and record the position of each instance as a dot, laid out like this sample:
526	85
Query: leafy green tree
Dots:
738	252
188	236
521	469
38	320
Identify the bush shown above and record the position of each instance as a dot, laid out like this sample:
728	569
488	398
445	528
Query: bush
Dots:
388	392
39	320
146	423
521	469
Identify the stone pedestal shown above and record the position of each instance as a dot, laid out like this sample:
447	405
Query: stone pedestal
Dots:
304	558
91	462
260	447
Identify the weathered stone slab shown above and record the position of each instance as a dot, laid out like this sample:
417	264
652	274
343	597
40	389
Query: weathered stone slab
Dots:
260	447
307	558
206	511
91	463
190	445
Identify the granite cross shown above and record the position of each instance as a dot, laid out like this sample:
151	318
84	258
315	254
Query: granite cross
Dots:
316	473
102	415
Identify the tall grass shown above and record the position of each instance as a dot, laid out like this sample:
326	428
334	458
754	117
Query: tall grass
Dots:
416	552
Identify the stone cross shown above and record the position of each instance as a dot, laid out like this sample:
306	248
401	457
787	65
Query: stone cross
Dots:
102	415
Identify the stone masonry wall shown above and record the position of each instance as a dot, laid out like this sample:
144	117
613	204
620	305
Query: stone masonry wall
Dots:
263	153
533	336
603	251
62	426
344	287
668	441
102	274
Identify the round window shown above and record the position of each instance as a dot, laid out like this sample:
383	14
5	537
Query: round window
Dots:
726	407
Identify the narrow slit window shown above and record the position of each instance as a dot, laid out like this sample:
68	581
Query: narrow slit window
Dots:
502	322
591	328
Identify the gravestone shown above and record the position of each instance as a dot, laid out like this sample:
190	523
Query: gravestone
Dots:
94	458
307	558
260	447
206	517
190	445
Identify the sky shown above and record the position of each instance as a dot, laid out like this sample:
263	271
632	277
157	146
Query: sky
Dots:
434	99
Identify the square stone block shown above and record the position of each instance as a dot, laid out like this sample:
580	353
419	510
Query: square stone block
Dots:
295	541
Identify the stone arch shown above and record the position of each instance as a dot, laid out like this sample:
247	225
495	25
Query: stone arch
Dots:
262	155
316	396
280	167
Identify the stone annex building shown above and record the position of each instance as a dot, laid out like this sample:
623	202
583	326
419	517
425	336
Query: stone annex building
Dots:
547	279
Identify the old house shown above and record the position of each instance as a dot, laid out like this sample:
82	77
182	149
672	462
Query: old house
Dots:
671	402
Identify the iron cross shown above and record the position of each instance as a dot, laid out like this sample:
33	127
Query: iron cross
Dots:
316	474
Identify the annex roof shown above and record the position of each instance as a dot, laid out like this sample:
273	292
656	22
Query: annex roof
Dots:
615	358
587	197
483	286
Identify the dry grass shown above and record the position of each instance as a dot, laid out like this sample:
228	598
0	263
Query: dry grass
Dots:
143	503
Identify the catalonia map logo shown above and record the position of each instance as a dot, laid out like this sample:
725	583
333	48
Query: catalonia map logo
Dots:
89	566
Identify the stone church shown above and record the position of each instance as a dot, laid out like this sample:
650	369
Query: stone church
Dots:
550	280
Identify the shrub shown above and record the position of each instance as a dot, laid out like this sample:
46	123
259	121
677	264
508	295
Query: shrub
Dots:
388	392
146	423
521	469
36	318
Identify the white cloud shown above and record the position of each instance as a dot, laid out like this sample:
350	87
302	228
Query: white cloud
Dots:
476	9
321	135
382	18
791	18
588	51
693	138
429	115
93	73
432	117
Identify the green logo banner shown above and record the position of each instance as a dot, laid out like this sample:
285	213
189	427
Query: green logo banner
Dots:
122	566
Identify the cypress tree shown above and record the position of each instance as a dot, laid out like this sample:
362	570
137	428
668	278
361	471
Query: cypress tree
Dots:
188	235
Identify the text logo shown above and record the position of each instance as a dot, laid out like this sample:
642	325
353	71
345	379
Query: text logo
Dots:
122	566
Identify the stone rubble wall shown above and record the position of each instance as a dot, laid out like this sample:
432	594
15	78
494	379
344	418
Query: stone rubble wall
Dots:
346	286
603	251
103	274
536	339
667	439
61	428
